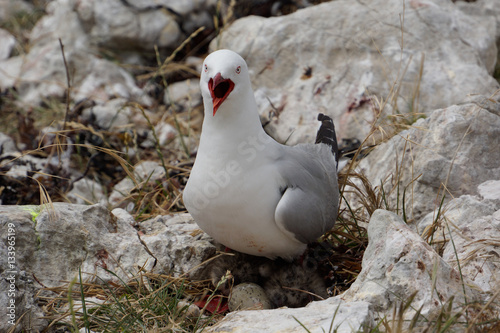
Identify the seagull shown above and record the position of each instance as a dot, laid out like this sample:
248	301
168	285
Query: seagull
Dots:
247	191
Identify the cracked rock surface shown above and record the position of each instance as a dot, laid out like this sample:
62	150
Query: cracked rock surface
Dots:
53	244
338	56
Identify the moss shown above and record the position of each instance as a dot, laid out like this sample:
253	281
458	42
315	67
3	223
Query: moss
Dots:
35	212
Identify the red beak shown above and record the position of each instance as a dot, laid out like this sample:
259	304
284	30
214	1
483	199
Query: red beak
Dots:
219	88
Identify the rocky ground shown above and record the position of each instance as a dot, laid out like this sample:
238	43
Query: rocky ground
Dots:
101	120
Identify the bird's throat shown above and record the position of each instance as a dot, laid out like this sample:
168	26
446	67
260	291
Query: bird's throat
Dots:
220	89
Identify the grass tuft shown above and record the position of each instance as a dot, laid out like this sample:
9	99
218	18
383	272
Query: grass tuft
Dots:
147	301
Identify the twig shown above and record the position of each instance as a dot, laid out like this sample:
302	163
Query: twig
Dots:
68	82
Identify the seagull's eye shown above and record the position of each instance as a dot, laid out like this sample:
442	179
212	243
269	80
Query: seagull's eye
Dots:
238	70
206	68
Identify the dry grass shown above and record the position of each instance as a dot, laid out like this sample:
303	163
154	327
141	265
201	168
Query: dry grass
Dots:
20	24
148	301
160	303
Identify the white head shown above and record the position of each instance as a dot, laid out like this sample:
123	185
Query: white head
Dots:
224	76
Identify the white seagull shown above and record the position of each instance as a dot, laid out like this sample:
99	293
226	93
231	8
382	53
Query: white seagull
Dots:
249	192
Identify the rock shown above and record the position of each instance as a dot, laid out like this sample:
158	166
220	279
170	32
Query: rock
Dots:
248	296
177	243
16	249
85	330
337	56
473	225
490	190
184	95
63	238
123	118
398	263
322	316
184	7
7	144
482	8
127	25
124	216
52	245
456	214
21	289
150	171
24	164
190	309
10	71
104	81
112	115
61	22
43	73
86	191
190	14
165	133
476	248
7	43
456	147
9	8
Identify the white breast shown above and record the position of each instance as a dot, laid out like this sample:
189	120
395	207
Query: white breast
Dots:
221	207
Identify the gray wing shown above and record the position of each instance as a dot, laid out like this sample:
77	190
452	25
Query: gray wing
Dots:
310	195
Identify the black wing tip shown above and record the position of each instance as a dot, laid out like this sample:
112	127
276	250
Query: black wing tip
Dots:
326	134
322	117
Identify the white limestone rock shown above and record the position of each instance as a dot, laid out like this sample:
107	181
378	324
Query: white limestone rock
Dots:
51	246
150	171
177	243
7	144
87	191
455	147
114	115
331	315
10	70
482	8
490	190
125	25
183	95
456	214
71	236
468	232
355	52
42	74
8	8
7	43
476	248
23	288
398	263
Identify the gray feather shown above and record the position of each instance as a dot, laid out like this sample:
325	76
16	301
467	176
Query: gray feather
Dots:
310	198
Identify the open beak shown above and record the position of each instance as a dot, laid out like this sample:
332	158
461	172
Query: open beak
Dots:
219	88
